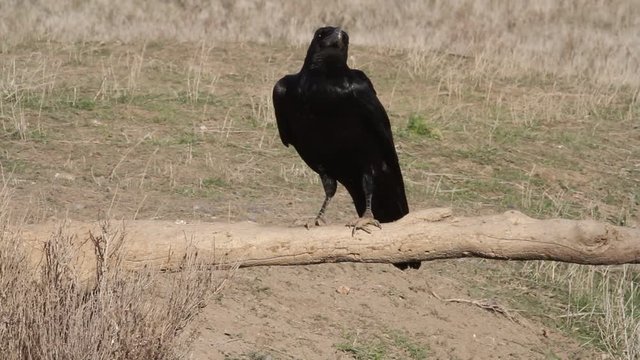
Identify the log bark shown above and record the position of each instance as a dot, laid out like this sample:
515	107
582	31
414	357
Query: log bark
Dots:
420	236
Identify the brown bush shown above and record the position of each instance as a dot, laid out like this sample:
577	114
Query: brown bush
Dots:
47	312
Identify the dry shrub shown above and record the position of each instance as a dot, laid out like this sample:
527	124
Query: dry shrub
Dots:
48	312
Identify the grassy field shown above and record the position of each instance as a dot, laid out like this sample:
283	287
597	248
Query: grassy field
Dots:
594	40
163	111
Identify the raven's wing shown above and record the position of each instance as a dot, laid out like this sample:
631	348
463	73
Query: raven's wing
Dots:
284	106
370	108
389	202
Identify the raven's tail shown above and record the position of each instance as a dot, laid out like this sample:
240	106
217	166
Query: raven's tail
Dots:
389	201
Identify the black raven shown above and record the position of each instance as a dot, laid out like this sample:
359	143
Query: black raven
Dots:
333	118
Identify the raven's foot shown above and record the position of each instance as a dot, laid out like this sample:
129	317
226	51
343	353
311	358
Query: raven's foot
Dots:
318	221
364	223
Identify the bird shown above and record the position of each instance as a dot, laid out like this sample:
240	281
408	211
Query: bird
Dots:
333	118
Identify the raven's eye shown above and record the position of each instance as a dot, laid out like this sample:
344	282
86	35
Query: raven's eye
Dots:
319	36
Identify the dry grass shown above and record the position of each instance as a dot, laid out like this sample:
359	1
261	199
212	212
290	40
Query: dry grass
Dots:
603	305
495	105
47	312
595	40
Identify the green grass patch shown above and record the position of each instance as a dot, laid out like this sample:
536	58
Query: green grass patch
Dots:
86	104
209	183
372	350
418	126
390	344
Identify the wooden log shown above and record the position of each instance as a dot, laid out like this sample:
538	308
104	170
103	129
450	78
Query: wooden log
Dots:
420	236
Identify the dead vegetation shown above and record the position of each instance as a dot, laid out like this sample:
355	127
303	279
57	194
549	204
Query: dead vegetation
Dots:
159	111
48	312
582	38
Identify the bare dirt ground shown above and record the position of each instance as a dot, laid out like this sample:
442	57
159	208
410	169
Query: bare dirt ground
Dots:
185	132
364	311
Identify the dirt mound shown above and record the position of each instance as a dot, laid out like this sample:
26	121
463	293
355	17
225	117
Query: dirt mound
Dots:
368	311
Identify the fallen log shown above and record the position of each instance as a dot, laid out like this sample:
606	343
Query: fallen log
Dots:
420	236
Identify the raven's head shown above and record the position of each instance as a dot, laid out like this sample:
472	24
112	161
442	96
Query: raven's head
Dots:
328	49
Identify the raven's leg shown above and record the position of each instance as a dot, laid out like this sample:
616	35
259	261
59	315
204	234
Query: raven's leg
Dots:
330	185
367	217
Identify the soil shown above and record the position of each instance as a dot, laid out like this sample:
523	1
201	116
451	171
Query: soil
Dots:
309	312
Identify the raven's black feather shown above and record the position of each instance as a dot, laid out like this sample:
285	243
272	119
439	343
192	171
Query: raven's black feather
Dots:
334	119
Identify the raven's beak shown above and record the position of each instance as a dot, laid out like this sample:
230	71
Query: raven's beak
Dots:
335	39
338	32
